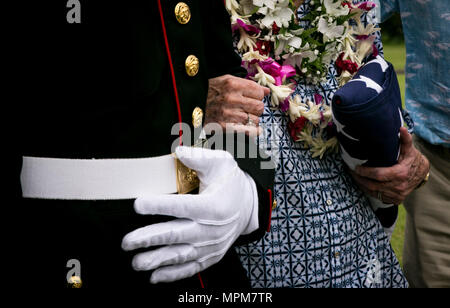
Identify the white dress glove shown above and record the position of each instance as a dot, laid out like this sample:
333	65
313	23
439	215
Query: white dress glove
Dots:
207	225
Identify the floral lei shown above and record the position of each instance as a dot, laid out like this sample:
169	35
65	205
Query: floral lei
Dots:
303	49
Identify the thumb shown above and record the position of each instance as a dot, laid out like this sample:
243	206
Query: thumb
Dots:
266	91
406	143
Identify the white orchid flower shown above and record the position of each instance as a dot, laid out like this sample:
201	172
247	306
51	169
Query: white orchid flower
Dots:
310	55
282	41
335	8
330	31
263	11
269	3
284	37
297	32
295	42
247	7
281	44
294	59
281	14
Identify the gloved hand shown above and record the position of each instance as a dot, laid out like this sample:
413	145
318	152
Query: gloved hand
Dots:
207	225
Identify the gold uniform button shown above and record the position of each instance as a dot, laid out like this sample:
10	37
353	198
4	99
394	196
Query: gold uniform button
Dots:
182	13
75	282
192	65
197	117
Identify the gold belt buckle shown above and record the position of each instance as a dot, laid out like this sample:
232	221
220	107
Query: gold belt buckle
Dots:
187	179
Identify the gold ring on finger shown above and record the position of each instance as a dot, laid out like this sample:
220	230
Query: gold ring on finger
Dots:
380	196
250	121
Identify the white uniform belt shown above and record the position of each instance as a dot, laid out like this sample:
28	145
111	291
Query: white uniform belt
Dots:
97	179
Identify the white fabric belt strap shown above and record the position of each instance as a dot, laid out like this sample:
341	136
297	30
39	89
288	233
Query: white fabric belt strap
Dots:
97	179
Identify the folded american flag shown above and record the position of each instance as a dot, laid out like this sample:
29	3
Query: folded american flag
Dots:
367	112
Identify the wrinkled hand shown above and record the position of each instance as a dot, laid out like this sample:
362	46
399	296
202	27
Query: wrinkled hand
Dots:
232	101
396	182
207	225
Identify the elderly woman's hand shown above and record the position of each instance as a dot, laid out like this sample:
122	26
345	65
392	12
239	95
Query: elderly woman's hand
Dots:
235	103
395	183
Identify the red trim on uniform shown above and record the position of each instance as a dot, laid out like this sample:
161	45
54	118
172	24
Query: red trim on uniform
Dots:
172	71
270	209
175	90
201	280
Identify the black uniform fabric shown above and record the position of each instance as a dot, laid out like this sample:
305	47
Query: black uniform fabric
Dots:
103	89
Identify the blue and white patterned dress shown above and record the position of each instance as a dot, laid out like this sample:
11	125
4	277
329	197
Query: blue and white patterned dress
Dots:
324	233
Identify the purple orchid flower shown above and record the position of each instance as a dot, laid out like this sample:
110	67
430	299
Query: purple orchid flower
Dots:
247	28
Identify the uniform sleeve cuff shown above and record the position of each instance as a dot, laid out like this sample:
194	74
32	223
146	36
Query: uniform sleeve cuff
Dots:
253	224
